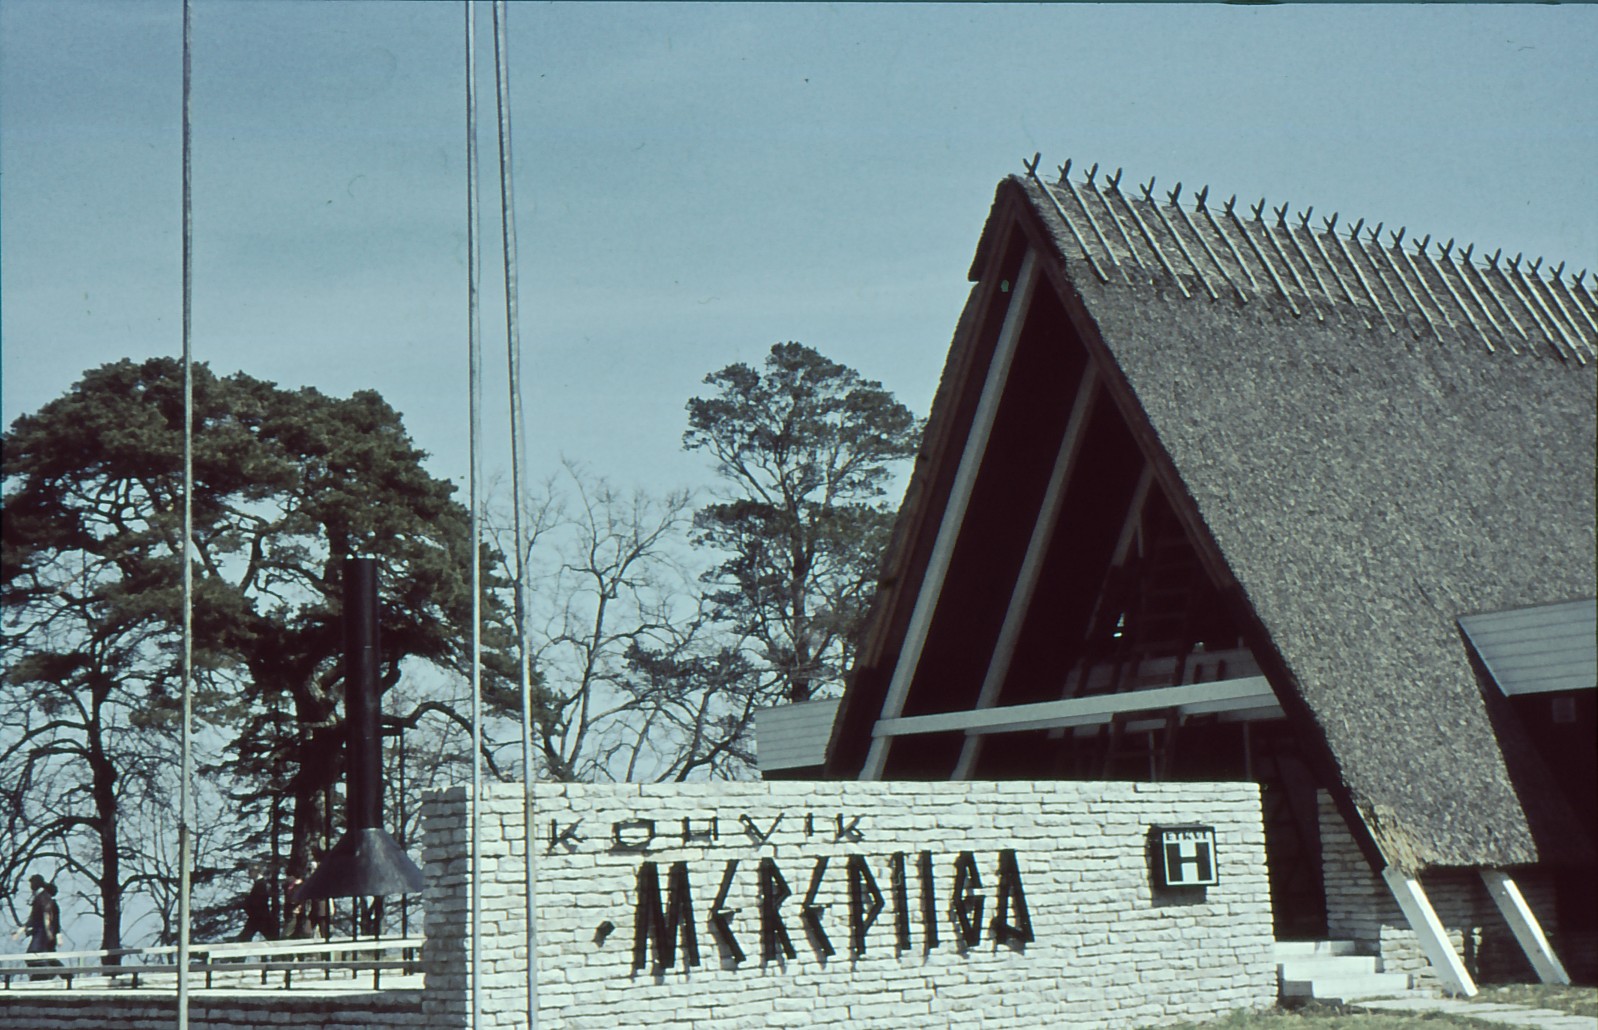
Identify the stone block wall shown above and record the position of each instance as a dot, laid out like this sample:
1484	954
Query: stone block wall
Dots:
87	1009
1359	907
1064	864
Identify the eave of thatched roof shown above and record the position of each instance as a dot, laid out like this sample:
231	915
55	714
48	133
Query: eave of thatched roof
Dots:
1366	465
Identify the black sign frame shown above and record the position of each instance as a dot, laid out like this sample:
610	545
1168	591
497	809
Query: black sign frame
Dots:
1165	858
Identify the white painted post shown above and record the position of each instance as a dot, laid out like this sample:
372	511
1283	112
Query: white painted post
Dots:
1506	895
1417	909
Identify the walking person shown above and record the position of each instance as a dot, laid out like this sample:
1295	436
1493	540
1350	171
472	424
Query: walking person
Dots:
294	915
44	922
258	914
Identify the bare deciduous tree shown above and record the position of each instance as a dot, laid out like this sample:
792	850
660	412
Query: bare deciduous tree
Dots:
634	679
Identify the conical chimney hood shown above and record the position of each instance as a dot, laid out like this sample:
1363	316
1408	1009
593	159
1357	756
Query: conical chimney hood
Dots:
366	862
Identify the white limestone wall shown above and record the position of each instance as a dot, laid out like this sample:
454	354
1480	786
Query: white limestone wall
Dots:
90	1009
1360	908
1107	950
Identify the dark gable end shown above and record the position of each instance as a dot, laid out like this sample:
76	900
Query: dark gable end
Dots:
1364	486
904	562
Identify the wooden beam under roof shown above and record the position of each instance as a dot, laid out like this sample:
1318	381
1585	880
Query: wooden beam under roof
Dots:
976	443
1523	923
1251	696
1032	564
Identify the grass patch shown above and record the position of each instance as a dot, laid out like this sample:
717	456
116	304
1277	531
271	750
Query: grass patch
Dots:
1315	1016
1577	1001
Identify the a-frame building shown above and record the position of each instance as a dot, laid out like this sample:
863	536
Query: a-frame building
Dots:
1207	495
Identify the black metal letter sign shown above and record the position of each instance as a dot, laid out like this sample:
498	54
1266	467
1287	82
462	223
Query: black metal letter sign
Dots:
665	932
810	913
651	925
1186	856
966	905
1012	923
773	892
865	903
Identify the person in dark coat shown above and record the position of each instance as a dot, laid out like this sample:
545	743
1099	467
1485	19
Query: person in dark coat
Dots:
44	921
258	916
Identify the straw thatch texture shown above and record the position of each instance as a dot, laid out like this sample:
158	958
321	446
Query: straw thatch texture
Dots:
1366	480
1366	489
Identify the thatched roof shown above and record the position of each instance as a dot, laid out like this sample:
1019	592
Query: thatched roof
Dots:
1376	442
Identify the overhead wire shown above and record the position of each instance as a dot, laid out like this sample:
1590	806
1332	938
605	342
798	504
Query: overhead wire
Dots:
474	365
185	793
474	346
513	360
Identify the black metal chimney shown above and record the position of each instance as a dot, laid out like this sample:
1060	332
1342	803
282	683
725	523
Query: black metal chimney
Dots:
366	862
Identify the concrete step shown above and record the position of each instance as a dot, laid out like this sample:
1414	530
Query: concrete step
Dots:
1307	949
1317	967
1347	988
1333	971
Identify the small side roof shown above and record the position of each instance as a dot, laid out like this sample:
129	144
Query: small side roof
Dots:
794	736
1541	649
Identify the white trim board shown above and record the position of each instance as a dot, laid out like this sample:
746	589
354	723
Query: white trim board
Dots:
1026	581
965	477
1523	923
1251	694
1422	918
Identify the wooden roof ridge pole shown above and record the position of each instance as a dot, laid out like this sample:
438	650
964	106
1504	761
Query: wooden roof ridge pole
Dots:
1415	304
1576	323
1093	223
1364	248
1259	255
1353	237
1570	292
1475	295
1398	245
1148	195
1422	918
1528	279
1515	291
1467	265
1331	266
1148	237
1287	262
1202	207
1174	195
1115	219
1436	267
1303	256
1032	173
976	442
1547	291
1528	932
1032	565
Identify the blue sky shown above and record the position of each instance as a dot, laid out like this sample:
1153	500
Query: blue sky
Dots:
695	183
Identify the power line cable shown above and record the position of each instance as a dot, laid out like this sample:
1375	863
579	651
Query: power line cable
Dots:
185	793
474	350
513	360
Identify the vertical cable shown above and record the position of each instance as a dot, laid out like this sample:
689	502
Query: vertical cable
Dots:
513	360
185	798
474	348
